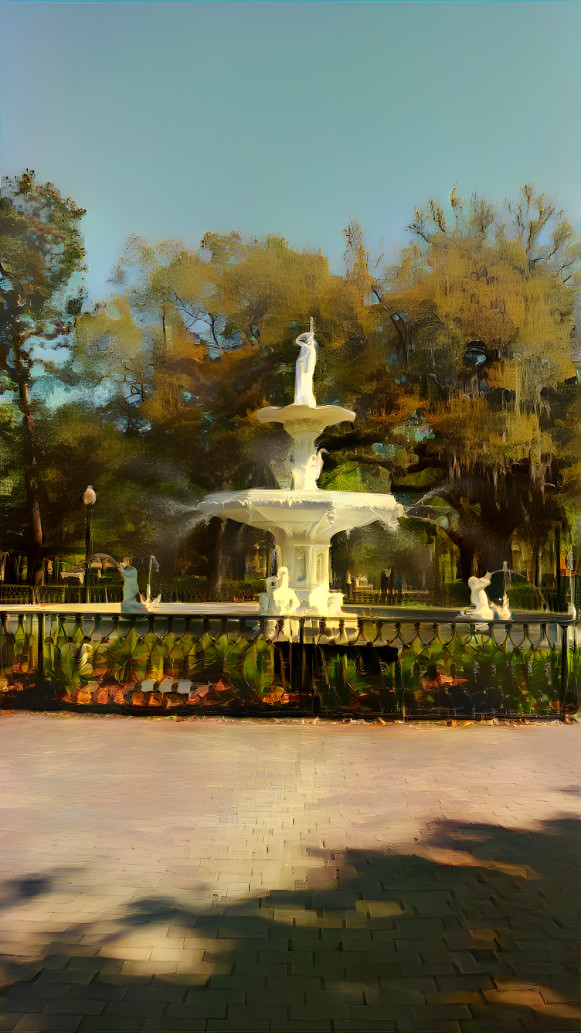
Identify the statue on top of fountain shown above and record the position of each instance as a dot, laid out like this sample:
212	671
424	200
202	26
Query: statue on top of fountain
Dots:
305	367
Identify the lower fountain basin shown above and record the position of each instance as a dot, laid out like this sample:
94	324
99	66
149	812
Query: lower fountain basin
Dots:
309	513
303	521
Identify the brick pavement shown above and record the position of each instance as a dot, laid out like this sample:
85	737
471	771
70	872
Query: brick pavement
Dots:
211	876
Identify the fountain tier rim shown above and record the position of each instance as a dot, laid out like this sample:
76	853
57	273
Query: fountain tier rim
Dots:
314	497
314	513
300	414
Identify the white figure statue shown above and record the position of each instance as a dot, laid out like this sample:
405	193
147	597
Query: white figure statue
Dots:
319	460
279	597
131	598
297	478
307	476
479	601
305	368
502	612
481	606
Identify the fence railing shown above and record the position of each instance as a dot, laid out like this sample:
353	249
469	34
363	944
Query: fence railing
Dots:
67	595
453	595
412	668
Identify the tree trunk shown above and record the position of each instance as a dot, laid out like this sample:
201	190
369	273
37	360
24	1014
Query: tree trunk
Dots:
536	564
467	557
558	558
434	579
218	567
35	550
35	544
495	555
239	552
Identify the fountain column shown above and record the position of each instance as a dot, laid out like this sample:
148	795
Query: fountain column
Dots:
304	549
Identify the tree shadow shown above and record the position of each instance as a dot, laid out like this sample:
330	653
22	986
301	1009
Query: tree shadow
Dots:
15	891
478	930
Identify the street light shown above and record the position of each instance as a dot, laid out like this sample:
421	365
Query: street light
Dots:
89	499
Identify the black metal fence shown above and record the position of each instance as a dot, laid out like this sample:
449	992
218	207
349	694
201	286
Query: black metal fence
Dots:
455	594
65	595
394	668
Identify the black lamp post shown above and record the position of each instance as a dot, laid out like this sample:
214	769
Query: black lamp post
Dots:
89	499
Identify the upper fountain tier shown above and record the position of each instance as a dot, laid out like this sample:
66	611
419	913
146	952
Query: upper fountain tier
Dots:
304	420
298	417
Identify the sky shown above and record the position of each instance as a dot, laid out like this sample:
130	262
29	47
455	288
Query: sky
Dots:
174	119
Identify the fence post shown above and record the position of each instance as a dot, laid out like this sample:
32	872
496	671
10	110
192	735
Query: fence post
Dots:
40	648
564	666
303	657
401	689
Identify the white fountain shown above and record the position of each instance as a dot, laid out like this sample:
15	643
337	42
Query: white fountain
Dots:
304	518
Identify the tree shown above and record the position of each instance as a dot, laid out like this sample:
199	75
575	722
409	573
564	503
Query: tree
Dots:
129	499
483	320
224	320
112	361
41	265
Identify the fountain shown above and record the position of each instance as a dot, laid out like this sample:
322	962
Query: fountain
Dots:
300	649
304	518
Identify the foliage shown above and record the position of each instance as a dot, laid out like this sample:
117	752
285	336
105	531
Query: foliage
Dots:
475	673
479	314
127	658
258	667
467	670
69	666
455	359
525	597
41	266
341	680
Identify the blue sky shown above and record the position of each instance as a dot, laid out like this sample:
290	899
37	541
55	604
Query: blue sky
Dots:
169	120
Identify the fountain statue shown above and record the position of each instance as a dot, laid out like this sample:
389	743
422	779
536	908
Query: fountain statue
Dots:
481	606
279	596
131	598
305	368
303	519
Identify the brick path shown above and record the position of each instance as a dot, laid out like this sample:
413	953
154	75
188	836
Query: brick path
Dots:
160	875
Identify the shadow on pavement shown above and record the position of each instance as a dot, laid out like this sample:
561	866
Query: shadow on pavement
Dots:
477	931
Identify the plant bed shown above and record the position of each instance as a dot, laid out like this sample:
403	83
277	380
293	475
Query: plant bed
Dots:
398	669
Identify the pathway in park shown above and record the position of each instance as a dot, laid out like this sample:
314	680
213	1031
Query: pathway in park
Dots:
200	875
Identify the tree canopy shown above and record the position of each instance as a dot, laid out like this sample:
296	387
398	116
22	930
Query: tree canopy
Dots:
41	266
457	359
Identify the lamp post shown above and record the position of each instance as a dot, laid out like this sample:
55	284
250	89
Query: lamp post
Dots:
89	499
569	563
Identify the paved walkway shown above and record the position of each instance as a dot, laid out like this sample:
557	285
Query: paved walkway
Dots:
200	875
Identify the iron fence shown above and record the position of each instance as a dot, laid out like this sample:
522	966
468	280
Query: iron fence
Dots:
395	668
66	595
173	590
